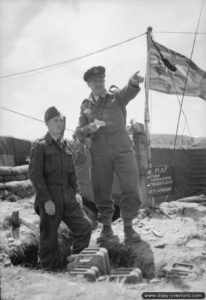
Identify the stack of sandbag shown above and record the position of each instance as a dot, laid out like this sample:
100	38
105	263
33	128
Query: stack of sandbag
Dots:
200	199
15	181
17	173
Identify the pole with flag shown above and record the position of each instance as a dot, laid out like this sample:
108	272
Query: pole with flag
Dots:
146	200
173	73
147	85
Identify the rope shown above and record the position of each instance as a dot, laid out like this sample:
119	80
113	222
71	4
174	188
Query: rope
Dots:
61	63
186	120
172	68
27	116
56	65
180	32
178	122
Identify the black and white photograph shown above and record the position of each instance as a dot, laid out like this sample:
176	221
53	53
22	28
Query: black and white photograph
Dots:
102	149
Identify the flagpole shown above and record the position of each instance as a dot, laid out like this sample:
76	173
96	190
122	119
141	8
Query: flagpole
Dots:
146	199
147	84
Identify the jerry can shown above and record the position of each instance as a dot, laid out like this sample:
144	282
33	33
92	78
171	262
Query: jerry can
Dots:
95	257
129	275
91	274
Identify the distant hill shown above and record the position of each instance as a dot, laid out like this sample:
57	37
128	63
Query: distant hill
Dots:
167	141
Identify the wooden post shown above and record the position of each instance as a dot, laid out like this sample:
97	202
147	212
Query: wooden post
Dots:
140	146
150	201
147	83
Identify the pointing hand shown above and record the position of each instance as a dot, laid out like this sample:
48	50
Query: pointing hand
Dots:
136	79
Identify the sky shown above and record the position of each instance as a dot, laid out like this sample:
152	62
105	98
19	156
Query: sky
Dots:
36	33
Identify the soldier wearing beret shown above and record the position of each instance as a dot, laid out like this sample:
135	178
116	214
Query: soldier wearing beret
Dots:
53	175
103	119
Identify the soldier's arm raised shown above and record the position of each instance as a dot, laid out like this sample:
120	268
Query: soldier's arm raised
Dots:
129	92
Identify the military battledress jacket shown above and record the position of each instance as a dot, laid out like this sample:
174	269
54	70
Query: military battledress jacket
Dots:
112	110
51	165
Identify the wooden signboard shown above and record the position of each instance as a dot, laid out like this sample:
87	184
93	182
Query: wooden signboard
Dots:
160	180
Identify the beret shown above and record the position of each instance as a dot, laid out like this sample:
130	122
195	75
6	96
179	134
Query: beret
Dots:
50	113
94	72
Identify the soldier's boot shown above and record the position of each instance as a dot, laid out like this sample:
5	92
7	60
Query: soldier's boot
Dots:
131	236
107	233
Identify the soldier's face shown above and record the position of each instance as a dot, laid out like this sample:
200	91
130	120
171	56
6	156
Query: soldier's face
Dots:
97	85
56	125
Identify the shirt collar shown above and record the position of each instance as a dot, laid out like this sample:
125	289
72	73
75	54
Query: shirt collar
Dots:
93	98
50	137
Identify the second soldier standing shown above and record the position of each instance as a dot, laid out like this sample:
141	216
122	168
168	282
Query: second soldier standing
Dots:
53	175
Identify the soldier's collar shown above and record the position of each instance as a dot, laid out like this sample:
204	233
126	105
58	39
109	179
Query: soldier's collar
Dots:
49	138
92	98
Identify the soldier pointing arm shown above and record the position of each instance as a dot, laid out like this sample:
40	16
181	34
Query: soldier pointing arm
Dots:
103	119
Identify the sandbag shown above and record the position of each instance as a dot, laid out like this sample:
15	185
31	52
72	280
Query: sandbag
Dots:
7	178
195	199
5	171
18	170
25	193
18	177
16	185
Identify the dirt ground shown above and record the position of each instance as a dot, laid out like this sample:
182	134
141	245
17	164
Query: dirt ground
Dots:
178	236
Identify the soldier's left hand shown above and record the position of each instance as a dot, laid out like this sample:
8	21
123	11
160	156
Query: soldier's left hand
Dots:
79	199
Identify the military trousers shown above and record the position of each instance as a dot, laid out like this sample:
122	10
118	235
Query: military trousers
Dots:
69	211
111	154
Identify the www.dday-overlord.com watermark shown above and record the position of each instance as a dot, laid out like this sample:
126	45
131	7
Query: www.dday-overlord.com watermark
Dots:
173	295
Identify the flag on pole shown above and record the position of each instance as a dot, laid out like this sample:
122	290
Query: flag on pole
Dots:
168	73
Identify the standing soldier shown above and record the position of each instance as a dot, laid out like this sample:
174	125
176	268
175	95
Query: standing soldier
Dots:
53	175
103	119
